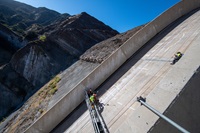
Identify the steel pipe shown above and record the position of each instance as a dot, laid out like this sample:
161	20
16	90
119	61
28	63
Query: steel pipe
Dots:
143	102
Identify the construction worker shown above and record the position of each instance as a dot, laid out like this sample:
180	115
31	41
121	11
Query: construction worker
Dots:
90	92
95	98
177	56
92	98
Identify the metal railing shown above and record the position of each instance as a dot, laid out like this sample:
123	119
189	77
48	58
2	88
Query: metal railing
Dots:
143	102
97	120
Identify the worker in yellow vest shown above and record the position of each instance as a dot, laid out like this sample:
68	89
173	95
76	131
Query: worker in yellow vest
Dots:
92	98
177	56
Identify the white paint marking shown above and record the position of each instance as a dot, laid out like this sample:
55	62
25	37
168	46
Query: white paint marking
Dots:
110	93
142	68
119	103
132	108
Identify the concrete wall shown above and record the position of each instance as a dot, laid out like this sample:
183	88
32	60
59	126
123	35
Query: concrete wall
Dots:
72	99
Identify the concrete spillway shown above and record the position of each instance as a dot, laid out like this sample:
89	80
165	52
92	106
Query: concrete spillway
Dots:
148	73
151	76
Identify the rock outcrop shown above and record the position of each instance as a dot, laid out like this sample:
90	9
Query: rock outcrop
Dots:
14	90
41	60
99	52
9	44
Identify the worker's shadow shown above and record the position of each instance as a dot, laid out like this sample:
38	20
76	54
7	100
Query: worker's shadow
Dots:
100	107
100	110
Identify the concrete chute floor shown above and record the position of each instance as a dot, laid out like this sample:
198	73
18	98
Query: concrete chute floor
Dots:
144	74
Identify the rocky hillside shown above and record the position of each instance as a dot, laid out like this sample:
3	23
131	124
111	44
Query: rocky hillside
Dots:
56	50
36	44
9	44
19	17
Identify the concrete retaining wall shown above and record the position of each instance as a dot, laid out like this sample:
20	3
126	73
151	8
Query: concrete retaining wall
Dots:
72	99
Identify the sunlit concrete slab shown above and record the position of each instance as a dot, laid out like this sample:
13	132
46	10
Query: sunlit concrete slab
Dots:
150	75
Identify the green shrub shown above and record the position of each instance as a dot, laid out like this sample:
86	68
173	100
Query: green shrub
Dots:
41	111
53	85
42	38
53	91
57	79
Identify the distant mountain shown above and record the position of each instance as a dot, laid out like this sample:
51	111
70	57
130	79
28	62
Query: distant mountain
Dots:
19	16
38	43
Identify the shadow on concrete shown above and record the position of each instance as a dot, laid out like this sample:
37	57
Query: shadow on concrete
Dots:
100	110
101	107
184	109
72	117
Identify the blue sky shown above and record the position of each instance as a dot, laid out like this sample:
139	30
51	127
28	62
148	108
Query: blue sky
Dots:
121	15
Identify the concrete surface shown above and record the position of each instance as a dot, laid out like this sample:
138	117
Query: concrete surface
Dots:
71	77
152	77
184	110
152	67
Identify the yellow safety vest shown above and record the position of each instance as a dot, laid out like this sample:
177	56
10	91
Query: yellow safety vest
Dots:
178	54
92	98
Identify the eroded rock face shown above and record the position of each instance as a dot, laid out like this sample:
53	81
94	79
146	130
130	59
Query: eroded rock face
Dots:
16	42
39	61
34	64
9	44
14	89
